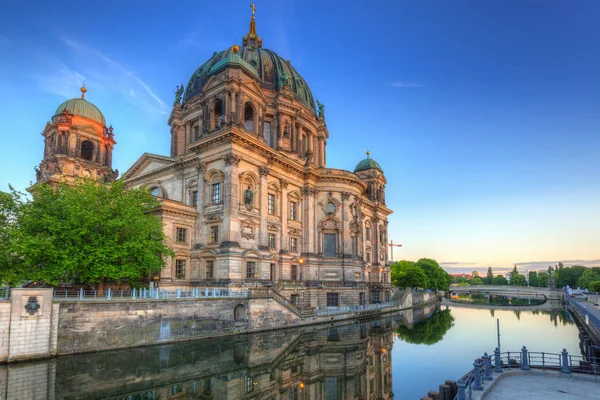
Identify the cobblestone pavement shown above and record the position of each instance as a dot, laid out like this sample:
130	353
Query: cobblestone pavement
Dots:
543	387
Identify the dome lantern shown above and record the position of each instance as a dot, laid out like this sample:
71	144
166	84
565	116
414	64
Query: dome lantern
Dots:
368	163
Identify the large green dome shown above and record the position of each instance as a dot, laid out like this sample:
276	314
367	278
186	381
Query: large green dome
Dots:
272	71
368	163
82	108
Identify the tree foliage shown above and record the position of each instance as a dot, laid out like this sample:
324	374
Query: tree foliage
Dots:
489	277
588	276
595	286
406	274
428	331
438	278
533	279
517	279
85	233
500	280
476	281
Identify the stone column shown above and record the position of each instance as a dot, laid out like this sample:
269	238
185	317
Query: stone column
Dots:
201	184
279	129
285	204
293	135
239	112
263	171
231	228
309	231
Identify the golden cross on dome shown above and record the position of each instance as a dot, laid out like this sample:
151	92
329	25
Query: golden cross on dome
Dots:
253	8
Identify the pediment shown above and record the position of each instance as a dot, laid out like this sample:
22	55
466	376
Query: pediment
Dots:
146	164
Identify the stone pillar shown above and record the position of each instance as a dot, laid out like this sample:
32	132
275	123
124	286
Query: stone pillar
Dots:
299	140
293	135
201	184
375	242
239	112
285	204
263	171
33	324
227	106
279	129
231	226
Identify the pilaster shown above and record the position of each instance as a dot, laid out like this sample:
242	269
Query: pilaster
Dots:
231	226
263	172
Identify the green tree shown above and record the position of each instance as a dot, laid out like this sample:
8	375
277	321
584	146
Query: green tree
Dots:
476	281
542	279
500	280
534	280
517	279
438	278
86	233
595	286
406	274
10	204
588	276
489	277
428	331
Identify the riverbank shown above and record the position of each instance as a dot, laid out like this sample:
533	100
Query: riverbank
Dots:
34	325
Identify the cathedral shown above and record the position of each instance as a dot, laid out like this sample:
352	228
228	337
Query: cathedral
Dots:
246	196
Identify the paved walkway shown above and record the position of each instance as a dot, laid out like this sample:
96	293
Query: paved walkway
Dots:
595	310
544	386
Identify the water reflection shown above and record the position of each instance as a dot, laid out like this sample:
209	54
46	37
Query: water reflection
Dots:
429	331
500	300
339	361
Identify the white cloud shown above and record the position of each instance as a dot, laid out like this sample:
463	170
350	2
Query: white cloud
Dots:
115	72
63	81
406	85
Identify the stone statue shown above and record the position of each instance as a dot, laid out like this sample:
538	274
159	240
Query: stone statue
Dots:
309	156
38	173
249	195
178	93
321	107
284	80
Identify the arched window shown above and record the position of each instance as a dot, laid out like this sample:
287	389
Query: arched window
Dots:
87	150
239	313
155	191
249	117
218	117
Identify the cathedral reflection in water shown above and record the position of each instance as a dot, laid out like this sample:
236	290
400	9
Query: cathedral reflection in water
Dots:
351	361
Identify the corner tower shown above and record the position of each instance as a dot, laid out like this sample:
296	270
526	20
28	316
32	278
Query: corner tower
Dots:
77	143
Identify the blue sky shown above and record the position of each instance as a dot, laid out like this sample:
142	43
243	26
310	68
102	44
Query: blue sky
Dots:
483	114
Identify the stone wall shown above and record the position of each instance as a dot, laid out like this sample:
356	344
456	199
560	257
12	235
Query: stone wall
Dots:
100	325
78	326
31	324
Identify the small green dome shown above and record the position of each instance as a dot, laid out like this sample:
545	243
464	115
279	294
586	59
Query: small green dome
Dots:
82	108
368	163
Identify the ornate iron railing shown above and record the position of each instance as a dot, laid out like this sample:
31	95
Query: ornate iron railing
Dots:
133	294
525	360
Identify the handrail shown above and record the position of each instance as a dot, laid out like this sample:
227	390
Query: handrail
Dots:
484	367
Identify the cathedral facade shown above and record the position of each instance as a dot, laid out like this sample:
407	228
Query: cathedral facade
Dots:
246	196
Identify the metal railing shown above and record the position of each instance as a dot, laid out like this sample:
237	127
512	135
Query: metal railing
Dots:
143	293
4	293
594	321
485	366
356	308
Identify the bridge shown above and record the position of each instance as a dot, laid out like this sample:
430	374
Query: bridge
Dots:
550	294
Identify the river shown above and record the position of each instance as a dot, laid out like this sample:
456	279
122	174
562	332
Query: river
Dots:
402	355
